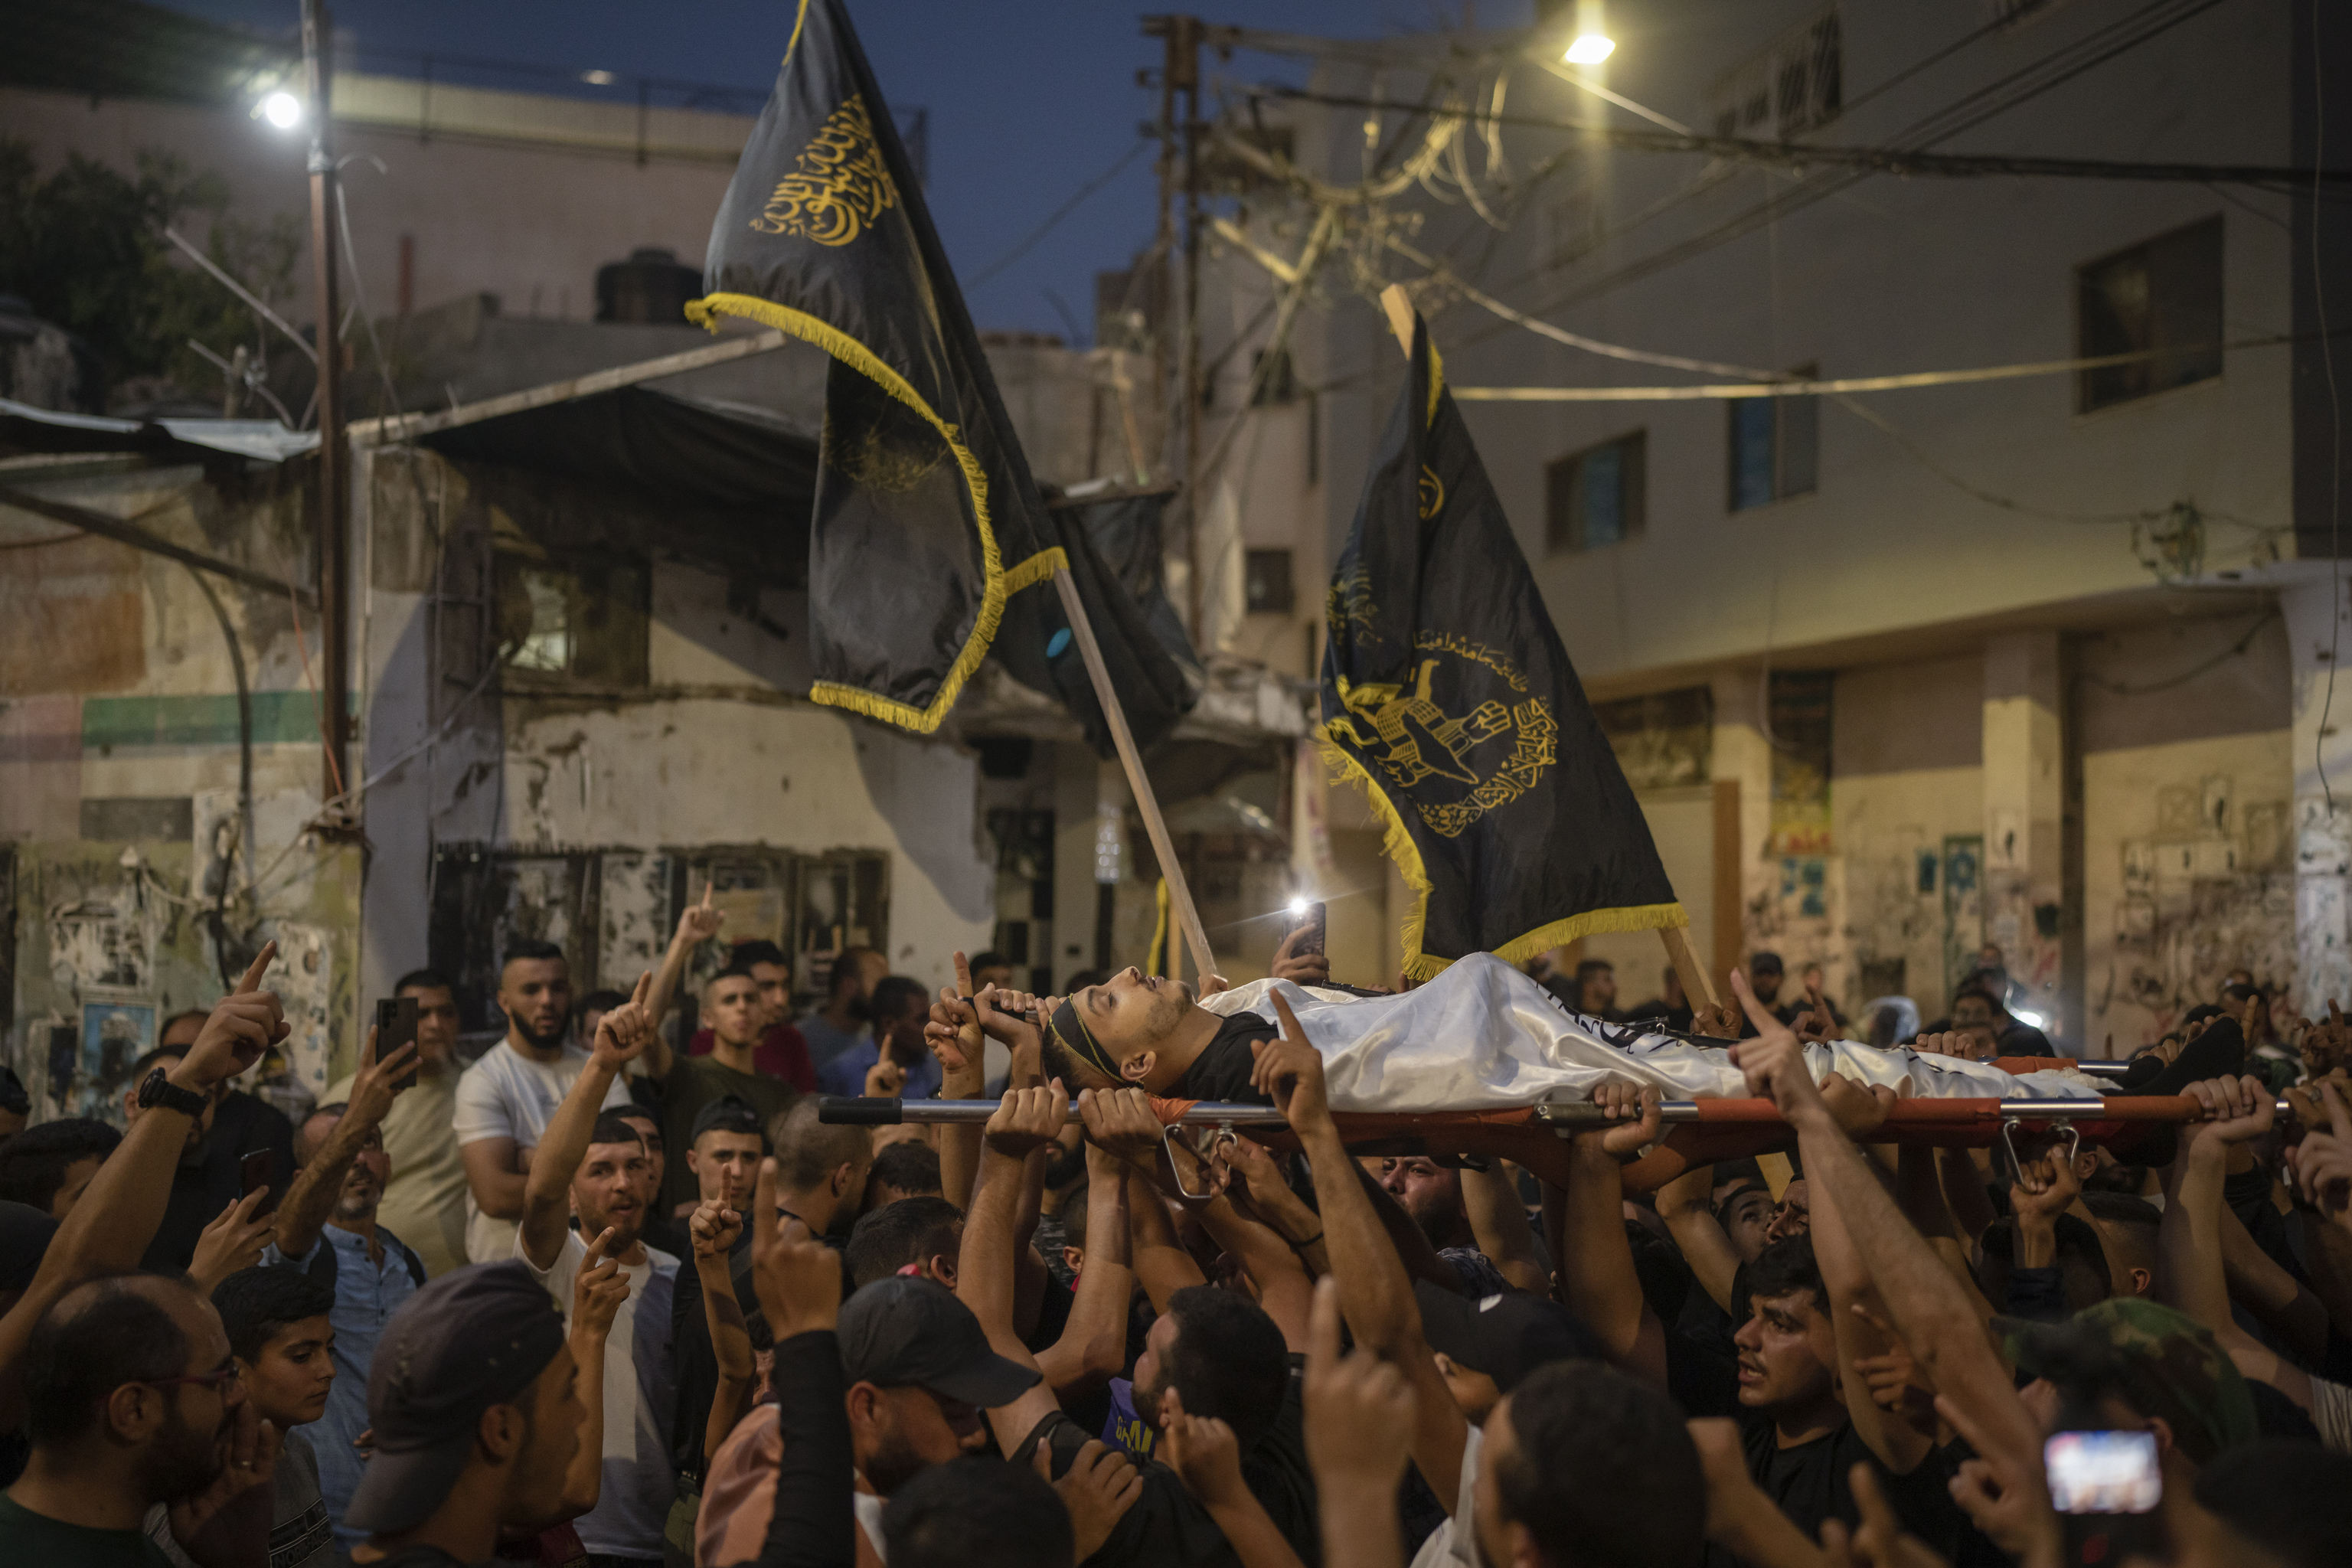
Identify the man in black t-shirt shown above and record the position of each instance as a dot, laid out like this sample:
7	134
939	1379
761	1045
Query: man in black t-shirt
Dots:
1800	1437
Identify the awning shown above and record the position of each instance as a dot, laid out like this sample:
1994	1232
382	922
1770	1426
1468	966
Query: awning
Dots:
25	428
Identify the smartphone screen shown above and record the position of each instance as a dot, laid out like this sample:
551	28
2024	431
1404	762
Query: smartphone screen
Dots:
2103	1472
1310	920
258	1169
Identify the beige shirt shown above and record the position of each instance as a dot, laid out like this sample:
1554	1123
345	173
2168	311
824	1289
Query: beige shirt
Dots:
424	1205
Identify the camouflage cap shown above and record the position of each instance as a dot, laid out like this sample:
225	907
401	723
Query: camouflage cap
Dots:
2162	1362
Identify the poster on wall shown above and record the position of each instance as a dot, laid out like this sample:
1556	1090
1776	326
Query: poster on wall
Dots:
303	978
115	1032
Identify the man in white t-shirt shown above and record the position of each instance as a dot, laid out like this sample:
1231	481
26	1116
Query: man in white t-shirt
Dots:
505	1099
593	1162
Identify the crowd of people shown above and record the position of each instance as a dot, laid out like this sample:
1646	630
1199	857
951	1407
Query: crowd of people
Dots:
614	1292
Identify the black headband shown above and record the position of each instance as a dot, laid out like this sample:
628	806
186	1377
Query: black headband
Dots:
1072	1031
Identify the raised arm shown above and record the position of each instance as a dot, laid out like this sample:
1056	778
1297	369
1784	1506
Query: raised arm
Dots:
1375	1295
712	1231
1899	1446
621	1037
1597	1279
313	1194
1684	1203
696	925
1026	1120
953	1034
117	1216
1092	1345
1499	1221
597	1293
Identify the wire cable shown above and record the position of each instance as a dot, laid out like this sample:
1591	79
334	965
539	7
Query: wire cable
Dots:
993	269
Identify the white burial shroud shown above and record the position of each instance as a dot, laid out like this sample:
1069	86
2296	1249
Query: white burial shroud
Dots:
1484	1037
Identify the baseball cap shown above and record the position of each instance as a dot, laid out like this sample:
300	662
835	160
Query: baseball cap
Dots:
1504	1336
475	1336
2161	1362
726	1107
901	1332
1769	963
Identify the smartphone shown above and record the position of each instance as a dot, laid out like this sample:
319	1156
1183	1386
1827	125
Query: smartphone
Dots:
395	1025
2103	1472
1309	918
256	1170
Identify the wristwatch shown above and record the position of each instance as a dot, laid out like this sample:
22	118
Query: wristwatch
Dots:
158	1090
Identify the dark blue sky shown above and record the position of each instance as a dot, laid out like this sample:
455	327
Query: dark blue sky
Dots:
1029	100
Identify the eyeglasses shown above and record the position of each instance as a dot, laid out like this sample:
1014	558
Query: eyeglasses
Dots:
228	1374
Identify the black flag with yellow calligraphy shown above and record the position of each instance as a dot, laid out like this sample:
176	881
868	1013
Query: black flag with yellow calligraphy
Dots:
1447	695
927	520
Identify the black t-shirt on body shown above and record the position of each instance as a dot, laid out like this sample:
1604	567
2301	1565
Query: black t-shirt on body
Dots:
1222	1071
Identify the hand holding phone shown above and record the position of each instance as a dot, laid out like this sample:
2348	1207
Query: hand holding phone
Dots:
395	1025
256	1170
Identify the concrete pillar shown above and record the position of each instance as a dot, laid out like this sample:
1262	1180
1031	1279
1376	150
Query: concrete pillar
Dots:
2323	768
1742	757
2023	804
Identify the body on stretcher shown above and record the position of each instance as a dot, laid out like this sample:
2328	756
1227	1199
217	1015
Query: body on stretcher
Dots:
1698	1131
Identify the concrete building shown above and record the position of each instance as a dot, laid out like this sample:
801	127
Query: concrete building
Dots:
2042	662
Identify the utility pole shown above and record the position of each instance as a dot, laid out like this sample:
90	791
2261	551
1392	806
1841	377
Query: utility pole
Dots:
334	477
1179	169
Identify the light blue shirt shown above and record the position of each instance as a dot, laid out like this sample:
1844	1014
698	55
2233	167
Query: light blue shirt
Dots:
367	1293
825	1042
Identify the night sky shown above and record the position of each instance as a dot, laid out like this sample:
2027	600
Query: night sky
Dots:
1028	99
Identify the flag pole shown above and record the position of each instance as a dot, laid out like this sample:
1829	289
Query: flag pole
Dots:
1398	306
1205	963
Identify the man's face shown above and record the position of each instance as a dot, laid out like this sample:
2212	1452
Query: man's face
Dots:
1499	1447
897	1434
725	1166
1764	981
1000	975
864	974
1474	1393
1972	1012
736	1012
70	1190
365	1183
1599	991
775	982
1133	1012
534	1498
1785	1350
1794	1217
185	1449
1427	1191
656	1153
609	1190
1151	1368
288	1382
1746	1218
536	995
436	1024
197	1129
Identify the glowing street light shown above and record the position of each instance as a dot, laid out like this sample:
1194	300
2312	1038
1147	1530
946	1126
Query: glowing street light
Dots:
598	78
282	110
1589	49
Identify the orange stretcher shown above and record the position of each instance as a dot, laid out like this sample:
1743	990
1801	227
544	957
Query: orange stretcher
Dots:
1698	1131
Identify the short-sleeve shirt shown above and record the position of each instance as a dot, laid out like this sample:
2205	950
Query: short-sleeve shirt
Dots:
1811	1483
29	1537
693	1083
367	1293
299	1533
1222	1071
509	1095
633	1504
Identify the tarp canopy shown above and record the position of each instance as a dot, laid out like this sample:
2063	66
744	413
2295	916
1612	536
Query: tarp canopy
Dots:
25	428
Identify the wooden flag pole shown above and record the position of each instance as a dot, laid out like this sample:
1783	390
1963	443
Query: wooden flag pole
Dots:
1180	895
1697	985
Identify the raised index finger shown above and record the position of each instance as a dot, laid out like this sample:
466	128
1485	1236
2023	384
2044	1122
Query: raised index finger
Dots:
963	975
254	971
1756	1013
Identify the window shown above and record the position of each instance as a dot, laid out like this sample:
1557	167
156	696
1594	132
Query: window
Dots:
1594	497
582	620
2164	294
1266	582
1793	84
1773	446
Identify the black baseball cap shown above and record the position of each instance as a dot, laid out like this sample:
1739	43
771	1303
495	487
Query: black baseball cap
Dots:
904	1332
475	1336
1505	1336
1765	963
726	1107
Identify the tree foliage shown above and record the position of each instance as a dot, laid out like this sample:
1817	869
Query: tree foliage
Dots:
85	247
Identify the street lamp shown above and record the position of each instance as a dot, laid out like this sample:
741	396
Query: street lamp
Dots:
281	108
1589	49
